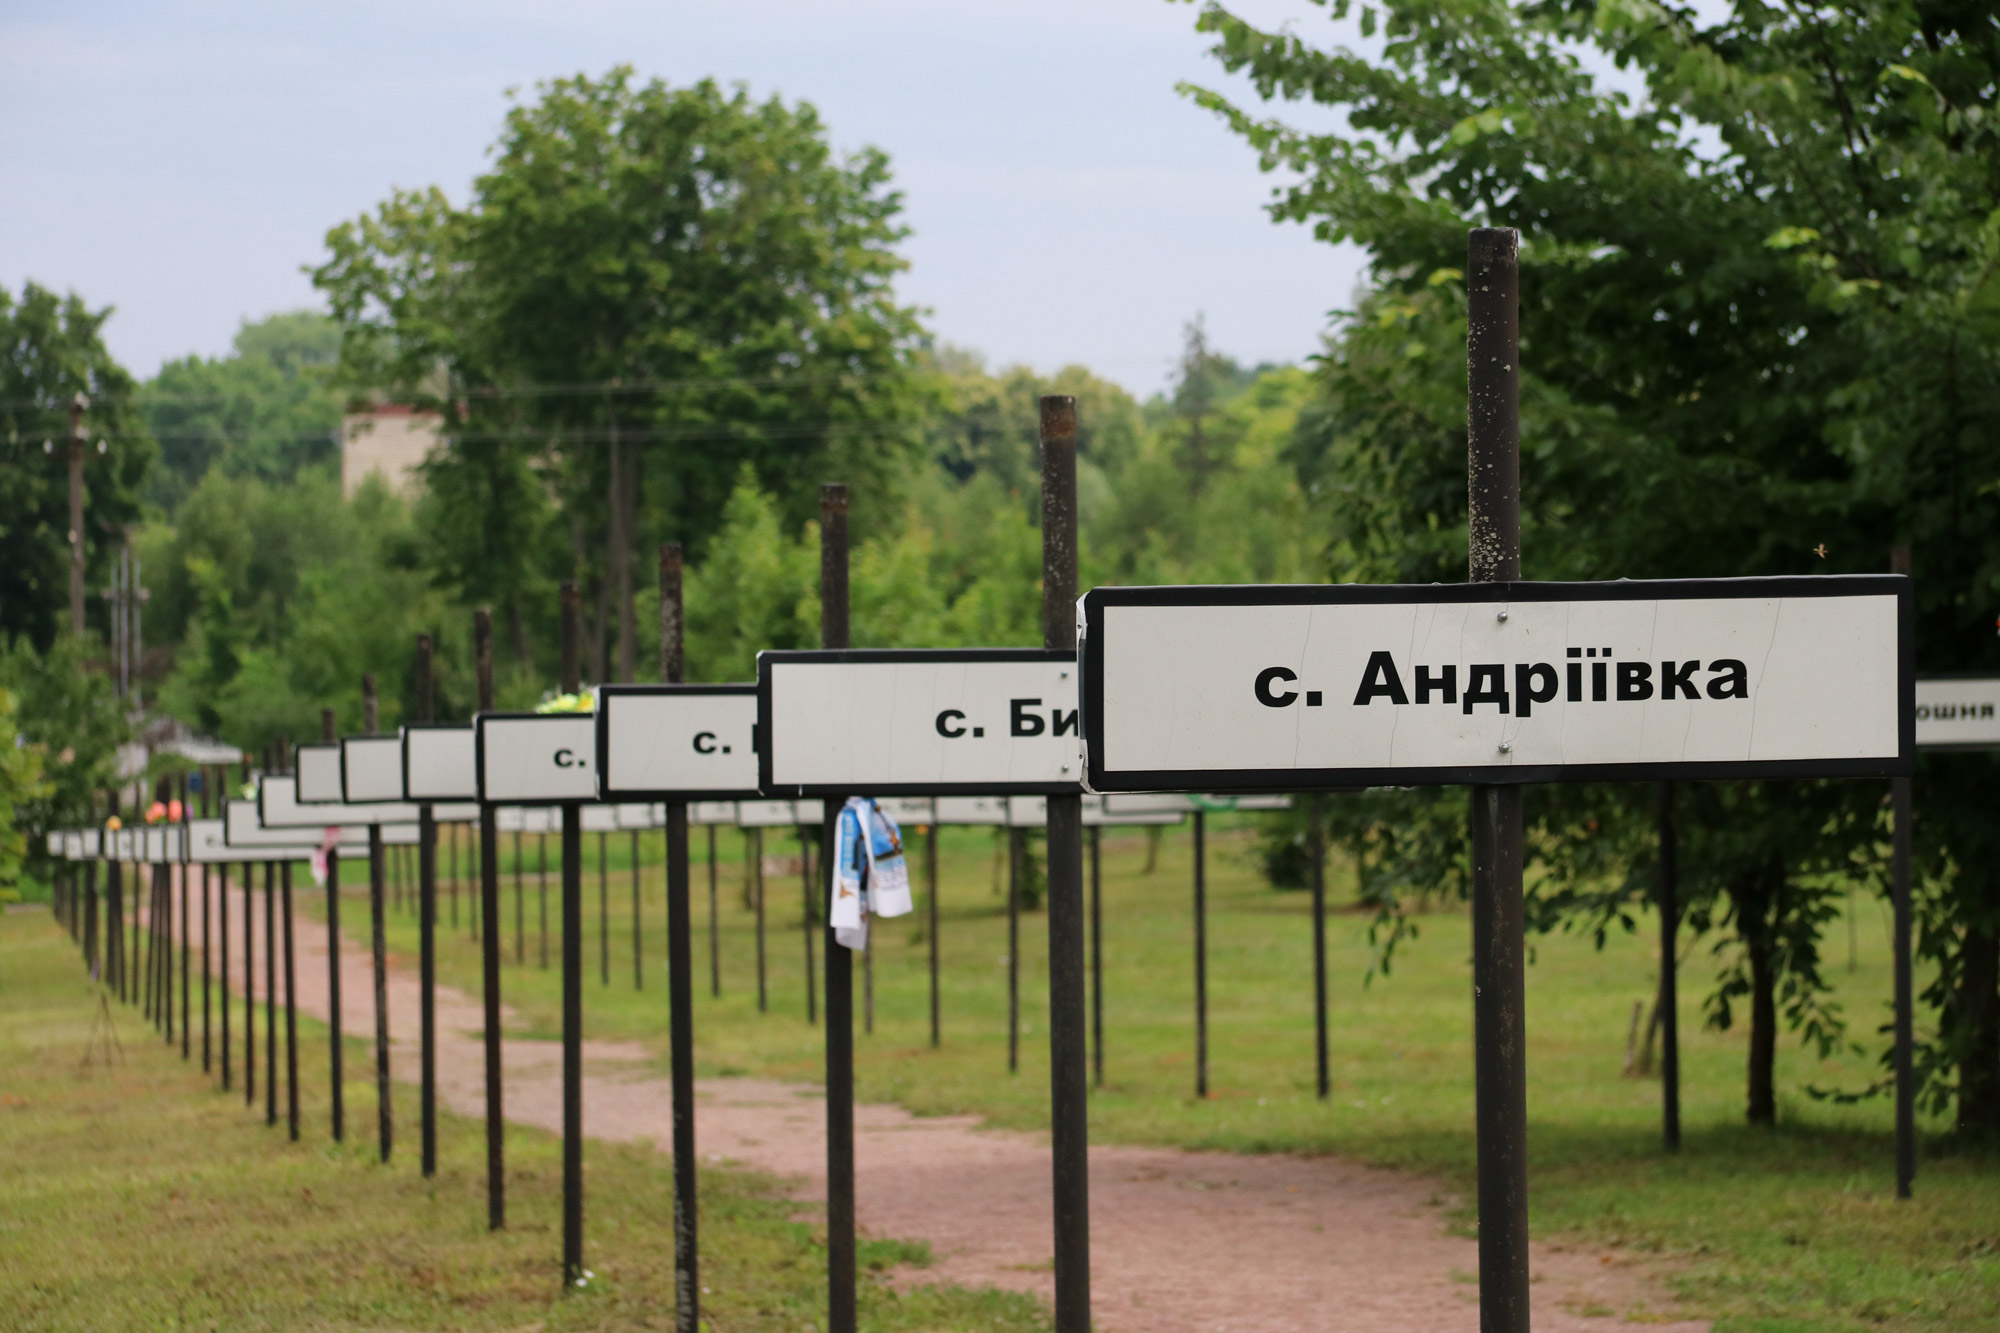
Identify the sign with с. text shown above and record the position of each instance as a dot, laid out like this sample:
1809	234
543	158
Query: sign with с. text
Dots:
888	722
1270	688
536	758
676	740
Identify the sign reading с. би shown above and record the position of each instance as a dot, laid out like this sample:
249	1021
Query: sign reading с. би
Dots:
1269	688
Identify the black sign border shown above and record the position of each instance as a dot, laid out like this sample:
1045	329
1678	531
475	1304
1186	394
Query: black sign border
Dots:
875	657
1091	694
403	735
479	757
607	794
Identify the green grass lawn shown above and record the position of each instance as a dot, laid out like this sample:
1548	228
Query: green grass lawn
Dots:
140	1197
1792	1228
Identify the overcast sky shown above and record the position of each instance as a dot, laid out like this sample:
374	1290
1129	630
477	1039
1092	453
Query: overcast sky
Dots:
182	162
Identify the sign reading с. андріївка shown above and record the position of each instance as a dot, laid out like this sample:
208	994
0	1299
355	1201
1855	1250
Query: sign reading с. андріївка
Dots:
1268	688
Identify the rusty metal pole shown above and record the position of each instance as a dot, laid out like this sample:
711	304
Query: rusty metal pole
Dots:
840	1241
1903	833
1069	1071
1669	1002
572	974
385	1127
426	931
1493	477
1316	849
489	946
680	976
291	973
336	1072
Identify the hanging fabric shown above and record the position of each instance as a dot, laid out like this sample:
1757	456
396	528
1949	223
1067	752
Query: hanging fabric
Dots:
869	875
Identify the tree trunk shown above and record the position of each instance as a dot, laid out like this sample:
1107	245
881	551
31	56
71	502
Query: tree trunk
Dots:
1978	1005
1763	1031
1760	906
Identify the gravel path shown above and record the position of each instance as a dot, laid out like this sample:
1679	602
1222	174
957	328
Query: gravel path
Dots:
1181	1241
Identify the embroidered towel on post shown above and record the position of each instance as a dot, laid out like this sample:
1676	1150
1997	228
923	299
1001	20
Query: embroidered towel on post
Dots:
870	875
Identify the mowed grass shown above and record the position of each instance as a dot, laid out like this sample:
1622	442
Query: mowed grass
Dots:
1792	1228
139	1196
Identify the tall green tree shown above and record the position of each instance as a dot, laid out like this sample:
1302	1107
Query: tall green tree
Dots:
51	349
267	410
651	288
1758	337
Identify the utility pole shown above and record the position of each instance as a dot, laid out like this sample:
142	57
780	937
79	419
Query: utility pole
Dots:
76	408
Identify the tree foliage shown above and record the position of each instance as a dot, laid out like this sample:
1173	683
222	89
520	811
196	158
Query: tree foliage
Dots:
51	349
1758	337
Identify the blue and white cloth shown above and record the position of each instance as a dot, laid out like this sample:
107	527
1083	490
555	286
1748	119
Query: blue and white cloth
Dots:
870	876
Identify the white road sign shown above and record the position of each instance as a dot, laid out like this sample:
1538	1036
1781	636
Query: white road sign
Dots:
1269	688
371	769
971	809
1178	803
985	721
124	844
779	814
537	758
1958	714
278	806
676	740
93	842
318	770
710	812
440	763
73	847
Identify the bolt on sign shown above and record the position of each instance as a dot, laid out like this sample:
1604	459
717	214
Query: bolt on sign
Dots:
1958	713
676	740
536	758
1270	688
891	722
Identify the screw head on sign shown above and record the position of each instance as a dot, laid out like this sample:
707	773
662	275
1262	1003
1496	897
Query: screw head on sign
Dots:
1503	617
1506	747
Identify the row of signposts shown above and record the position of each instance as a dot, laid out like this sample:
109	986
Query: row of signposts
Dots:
1493	685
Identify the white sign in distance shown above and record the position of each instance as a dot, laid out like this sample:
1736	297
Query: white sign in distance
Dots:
920	722
317	768
676	741
1958	714
536	758
93	842
710	812
779	814
440	763
72	847
371	769
1270	688
971	809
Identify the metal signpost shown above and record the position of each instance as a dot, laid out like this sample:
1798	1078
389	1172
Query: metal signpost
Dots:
549	759
919	722
671	743
1951	713
1496	683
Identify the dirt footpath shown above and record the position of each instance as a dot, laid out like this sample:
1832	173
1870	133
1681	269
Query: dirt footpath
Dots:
1180	1241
